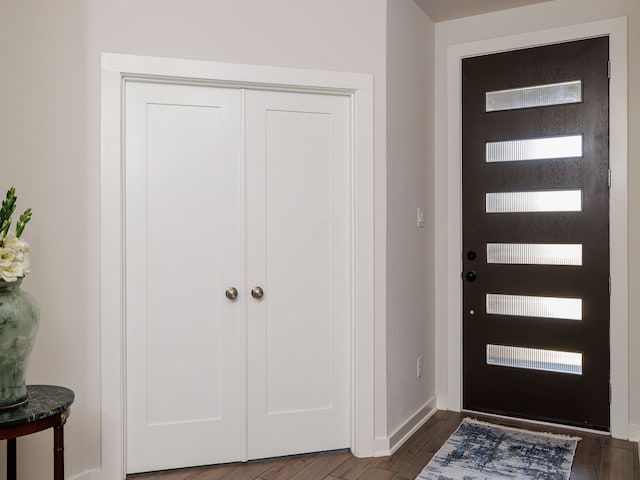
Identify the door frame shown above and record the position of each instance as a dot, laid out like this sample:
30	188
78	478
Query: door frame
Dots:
616	29
116	70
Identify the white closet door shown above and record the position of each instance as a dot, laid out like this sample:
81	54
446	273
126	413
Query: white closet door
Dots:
184	247
298	207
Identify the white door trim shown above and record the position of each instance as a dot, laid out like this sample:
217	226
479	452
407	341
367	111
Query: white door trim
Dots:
116	69
616	29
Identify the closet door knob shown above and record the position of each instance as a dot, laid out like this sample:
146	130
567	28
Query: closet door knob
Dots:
257	292
231	293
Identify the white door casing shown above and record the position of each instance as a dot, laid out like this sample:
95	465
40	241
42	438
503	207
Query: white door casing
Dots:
117	71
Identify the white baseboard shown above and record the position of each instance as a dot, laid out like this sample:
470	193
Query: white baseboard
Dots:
443	401
634	432
402	433
94	474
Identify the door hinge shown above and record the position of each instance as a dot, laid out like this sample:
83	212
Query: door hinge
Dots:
610	394
609	178
609	285
609	69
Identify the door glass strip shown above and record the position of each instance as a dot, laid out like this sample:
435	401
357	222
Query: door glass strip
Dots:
535	359
530	306
534	253
536	96
540	201
569	146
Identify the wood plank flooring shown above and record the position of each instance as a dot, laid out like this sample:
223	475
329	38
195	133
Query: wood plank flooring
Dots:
598	457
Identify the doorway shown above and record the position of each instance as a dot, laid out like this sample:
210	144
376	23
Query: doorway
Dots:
117	71
237	263
448	182
536	233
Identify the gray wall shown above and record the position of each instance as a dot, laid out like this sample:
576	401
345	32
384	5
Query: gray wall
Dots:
410	329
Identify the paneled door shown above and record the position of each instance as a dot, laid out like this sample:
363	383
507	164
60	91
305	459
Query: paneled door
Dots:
185	357
298	216
536	233
238	274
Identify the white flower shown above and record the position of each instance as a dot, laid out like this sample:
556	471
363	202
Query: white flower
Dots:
15	258
7	256
26	263
15	243
11	272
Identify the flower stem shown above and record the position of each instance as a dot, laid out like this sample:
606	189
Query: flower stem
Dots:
22	222
8	207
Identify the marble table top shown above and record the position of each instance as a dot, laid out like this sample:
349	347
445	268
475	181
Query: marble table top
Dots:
44	401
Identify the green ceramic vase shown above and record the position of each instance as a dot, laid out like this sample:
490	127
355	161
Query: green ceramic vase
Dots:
19	320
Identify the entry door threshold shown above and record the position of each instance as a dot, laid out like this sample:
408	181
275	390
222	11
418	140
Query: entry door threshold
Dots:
538	422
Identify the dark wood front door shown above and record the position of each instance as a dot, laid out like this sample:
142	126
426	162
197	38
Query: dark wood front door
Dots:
536	233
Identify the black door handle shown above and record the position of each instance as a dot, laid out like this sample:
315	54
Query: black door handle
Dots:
471	276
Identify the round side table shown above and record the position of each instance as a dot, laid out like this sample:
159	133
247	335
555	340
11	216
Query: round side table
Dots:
47	407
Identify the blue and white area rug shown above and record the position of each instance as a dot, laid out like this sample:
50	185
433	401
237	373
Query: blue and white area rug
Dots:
482	451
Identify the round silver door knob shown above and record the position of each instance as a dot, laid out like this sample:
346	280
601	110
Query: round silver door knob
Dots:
257	292
231	293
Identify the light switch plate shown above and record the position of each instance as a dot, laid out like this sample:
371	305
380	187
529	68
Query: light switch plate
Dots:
420	217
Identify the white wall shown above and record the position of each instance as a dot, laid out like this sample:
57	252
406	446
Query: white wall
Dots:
43	152
544	16
410	250
50	144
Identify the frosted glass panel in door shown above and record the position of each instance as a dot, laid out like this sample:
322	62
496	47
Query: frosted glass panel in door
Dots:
534	149
534	306
298	243
535	253
536	201
183	244
535	359
534	96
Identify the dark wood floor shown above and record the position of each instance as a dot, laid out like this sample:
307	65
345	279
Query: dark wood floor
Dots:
597	457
